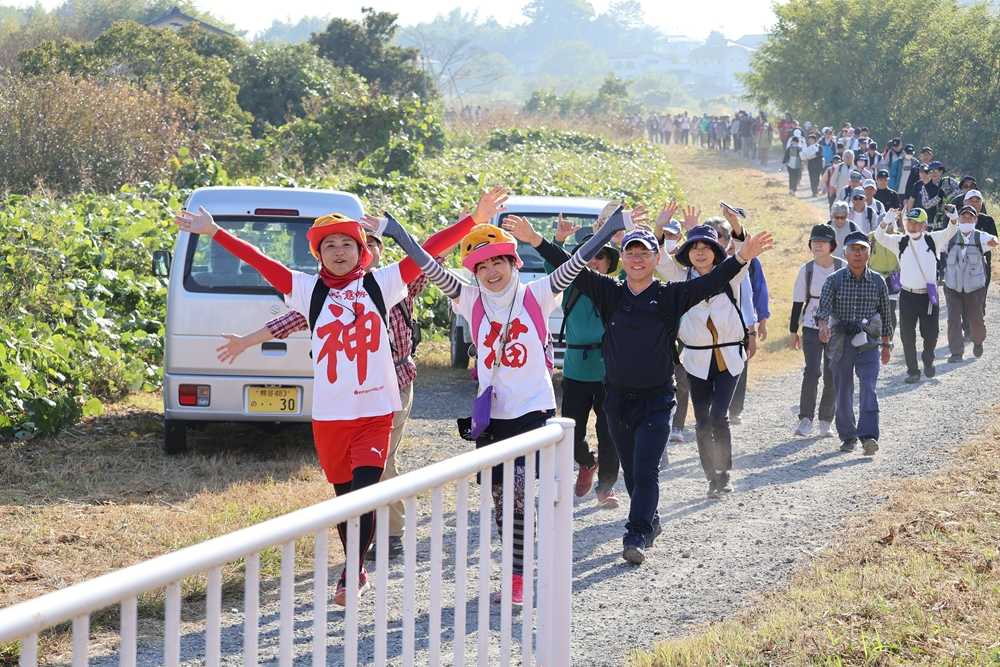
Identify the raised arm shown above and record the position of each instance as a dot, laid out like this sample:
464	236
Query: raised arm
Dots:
440	243
564	274
448	281
714	282
890	241
273	271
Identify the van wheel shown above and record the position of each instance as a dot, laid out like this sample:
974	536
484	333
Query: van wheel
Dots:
174	437
459	349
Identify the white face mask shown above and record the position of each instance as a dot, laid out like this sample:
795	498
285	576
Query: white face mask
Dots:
966	227
915	235
669	245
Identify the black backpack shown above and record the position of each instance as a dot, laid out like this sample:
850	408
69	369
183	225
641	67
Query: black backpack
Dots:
904	243
320	292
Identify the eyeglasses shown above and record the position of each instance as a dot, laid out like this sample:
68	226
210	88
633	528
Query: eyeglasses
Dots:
840	217
638	254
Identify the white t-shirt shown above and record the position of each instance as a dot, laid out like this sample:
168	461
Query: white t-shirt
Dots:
521	383
353	373
815	289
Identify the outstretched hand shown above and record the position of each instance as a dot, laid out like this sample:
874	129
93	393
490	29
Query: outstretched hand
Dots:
666	215
490	204
232	348
755	245
373	224
565	229
196	223
605	213
522	230
691	215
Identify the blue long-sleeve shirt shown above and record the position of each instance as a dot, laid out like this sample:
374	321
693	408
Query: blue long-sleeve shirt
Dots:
760	295
746	302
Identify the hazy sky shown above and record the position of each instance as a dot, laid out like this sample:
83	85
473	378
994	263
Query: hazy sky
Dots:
696	19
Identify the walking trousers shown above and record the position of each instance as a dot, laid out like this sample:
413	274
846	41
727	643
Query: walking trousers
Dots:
817	365
913	310
711	398
965	308
640	425
866	366
578	399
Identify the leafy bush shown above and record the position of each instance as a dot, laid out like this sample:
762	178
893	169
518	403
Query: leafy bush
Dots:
504	139
72	134
82	317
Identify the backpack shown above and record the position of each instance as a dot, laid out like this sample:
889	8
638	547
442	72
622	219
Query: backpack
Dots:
533	310
904	243
320	292
743	343
838	264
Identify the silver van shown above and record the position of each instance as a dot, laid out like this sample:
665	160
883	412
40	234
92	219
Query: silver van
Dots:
543	213
212	292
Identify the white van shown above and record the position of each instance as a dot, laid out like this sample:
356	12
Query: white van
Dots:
543	213
211	293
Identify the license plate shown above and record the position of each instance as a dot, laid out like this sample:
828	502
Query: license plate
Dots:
273	400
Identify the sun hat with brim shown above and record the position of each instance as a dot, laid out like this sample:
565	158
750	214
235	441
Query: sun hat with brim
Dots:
824	233
612	252
486	241
337	223
969	209
869	183
857	238
700	234
972	194
917	215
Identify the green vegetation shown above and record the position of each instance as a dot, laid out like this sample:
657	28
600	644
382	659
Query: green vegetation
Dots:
923	69
83	323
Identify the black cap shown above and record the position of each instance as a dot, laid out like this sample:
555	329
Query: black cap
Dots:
969	209
908	148
882	173
859	238
824	233
968	178
927	149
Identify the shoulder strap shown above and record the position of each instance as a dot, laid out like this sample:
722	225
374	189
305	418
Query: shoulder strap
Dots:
375	294
574	297
534	311
319	294
739	312
903	244
810	266
931	244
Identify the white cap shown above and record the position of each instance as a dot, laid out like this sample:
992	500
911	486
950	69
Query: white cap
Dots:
972	193
869	183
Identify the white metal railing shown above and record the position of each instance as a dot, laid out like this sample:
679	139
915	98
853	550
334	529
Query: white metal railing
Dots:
550	645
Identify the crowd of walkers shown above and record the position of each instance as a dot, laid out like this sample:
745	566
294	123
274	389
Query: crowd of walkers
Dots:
658	316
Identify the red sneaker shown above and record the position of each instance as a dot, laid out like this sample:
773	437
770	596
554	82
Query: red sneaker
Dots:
585	480
340	597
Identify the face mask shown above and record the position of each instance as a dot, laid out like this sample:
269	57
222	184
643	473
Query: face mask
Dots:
669	245
915	235
966	227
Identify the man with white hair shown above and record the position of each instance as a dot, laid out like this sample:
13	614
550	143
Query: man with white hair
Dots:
861	214
841	225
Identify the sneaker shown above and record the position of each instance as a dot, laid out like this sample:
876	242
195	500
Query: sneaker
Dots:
713	489
735	420
722	483
340	597
607	498
912	379
929	370
825	429
395	549
804	428
657	529
517	589
870	446
585	480
632	550
849	445
676	435
955	359
977	350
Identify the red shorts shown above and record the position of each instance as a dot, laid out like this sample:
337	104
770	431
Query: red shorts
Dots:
344	445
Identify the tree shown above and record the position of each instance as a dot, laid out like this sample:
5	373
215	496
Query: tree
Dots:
555	12
367	48
281	32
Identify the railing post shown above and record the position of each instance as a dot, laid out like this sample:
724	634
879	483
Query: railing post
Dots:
561	572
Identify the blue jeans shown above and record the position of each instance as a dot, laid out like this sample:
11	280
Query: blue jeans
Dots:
865	365
640	425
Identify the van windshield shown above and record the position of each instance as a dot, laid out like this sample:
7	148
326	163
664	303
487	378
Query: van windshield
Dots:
545	224
210	268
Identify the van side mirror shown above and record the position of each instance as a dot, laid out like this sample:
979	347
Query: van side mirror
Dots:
161	263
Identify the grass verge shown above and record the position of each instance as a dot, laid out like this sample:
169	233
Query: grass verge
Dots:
914	584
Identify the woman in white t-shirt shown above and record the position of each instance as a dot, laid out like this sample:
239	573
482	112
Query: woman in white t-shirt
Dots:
509	325
355	390
805	300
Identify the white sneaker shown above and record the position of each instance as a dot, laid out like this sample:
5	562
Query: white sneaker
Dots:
825	429
676	435
805	427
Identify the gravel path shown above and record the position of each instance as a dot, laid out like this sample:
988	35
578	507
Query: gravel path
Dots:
792	496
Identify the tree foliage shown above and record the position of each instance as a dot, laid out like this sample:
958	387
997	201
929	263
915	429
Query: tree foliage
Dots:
367	48
925	69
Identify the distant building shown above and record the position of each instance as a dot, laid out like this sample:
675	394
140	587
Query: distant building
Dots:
175	19
719	61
